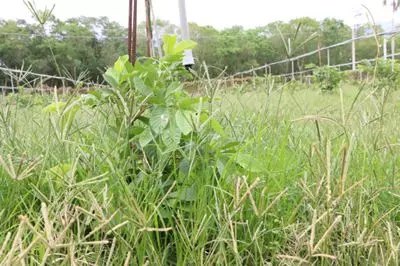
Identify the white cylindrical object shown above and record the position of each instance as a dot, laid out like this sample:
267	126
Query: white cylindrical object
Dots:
293	78
183	20
393	51
188	56
384	48
328	55
353	49
356	21
393	37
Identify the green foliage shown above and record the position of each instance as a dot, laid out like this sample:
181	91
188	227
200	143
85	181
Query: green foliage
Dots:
327	78
140	173
296	85
27	100
62	115
80	45
384	73
150	92
152	112
275	177
87	44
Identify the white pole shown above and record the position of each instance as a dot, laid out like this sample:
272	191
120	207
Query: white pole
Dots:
353	49
329	56
384	48
188	59
393	51
393	35
293	78
353	43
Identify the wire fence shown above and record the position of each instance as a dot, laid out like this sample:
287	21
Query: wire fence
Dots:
35	81
268	67
31	81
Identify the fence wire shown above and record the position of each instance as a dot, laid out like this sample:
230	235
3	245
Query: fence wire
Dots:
268	66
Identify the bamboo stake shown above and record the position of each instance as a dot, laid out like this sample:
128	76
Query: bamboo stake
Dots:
149	32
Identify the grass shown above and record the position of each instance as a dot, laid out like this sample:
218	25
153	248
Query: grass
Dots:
328	192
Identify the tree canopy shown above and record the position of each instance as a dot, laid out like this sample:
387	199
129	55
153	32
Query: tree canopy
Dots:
87	44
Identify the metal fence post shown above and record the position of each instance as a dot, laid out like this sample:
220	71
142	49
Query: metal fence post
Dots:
353	50
328	55
384	48
393	50
292	69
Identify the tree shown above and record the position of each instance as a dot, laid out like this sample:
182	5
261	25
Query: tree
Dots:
335	31
235	50
88	45
207	39
368	48
14	37
296	37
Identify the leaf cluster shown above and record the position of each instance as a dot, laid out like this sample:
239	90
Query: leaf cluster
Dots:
327	78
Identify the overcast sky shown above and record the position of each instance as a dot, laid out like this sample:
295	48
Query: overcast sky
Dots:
218	13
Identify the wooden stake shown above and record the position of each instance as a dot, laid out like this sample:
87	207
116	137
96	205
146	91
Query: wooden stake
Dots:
149	32
134	33
130	31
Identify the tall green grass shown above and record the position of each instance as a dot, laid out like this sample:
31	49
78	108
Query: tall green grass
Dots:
328	192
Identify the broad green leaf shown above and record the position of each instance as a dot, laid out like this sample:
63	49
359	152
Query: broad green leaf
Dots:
217	127
188	103
60	170
90	100
69	114
249	163
157	99
221	164
185	194
123	65
141	86
113	77
135	131
174	60
184	45
183	121
184	166
169	44
54	107
173	87
229	147
204	117
171	136
159	119
150	73
145	138
165	213
120	64
144	120
95	93
106	92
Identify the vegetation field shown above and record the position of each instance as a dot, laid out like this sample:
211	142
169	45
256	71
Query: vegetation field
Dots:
273	175
149	162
